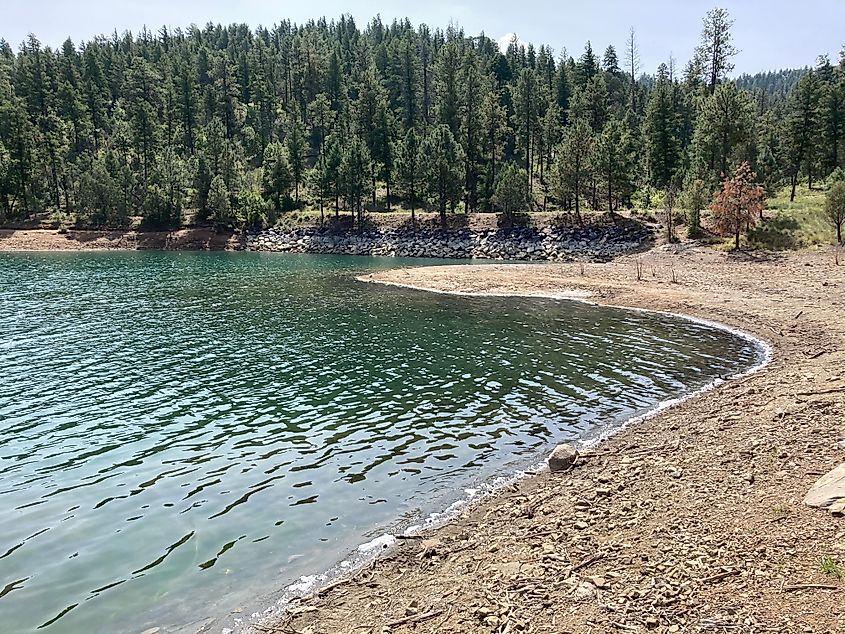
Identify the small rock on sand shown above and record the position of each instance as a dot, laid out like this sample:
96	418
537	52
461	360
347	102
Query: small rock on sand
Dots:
562	458
584	591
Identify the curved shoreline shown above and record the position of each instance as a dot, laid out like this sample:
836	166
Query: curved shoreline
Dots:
716	466
314	585
584	297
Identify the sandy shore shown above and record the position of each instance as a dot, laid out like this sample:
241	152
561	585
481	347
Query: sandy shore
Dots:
689	521
73	240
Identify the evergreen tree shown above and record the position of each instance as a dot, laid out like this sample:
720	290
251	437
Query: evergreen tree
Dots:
587	67
713	56
739	203
527	108
572	167
219	203
724	126
661	130
409	161
611	161
295	144
157	116
441	168
511	196
801	128
355	170
277	175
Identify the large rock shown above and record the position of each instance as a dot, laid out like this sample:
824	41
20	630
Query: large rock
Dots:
562	458
829	491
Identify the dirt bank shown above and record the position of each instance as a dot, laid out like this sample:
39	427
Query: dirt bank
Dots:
73	240
690	521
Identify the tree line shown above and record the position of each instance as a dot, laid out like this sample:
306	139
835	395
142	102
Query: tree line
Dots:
234	126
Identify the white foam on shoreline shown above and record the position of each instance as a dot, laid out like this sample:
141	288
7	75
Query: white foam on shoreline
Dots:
366	553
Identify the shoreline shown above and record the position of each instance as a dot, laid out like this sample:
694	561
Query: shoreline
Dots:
595	241
584	297
315	585
418	589
87	240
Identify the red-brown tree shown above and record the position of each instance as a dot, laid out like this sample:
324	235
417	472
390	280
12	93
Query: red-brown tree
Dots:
739	203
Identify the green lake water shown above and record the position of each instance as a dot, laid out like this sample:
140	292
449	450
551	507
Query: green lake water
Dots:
182	435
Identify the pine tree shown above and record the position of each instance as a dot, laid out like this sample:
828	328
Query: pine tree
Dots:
831	115
527	107
572	167
277	177
835	207
441	168
219	203
587	67
724	125
661	130
329	167
632	66
408	171
295	145
158	115
562	92
713	55
472	126
801	127
355	170
447	71
611	161
511	196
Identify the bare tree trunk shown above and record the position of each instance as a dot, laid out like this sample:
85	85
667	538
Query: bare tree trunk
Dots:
578	191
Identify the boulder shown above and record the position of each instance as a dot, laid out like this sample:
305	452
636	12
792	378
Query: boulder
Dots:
829	491
562	458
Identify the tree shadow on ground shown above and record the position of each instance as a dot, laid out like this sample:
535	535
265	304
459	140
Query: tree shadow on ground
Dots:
775	233
515	220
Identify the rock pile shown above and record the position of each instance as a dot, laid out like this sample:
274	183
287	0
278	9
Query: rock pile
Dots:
597	242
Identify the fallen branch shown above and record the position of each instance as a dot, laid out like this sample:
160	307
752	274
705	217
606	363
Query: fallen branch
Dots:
809	586
817	354
720	576
414	618
588	561
833	390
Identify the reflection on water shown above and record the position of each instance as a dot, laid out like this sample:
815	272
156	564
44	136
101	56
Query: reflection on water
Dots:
181	432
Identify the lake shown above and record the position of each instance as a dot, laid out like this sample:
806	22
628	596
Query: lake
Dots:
182	435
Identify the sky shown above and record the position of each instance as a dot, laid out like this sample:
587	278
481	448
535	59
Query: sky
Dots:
771	34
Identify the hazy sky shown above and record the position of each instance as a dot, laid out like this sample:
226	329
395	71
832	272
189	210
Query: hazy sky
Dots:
771	34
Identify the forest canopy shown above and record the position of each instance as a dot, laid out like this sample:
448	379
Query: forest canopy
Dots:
234	125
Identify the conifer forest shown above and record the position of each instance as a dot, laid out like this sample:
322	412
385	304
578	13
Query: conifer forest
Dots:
235	126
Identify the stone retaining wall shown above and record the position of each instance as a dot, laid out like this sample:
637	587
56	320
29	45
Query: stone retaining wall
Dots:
597	242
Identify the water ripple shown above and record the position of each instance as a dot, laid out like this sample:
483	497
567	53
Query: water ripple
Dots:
179	432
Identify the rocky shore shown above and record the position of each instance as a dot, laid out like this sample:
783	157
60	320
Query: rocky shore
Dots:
691	521
592	242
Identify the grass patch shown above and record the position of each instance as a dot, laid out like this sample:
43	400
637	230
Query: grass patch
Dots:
830	567
793	225
780	511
